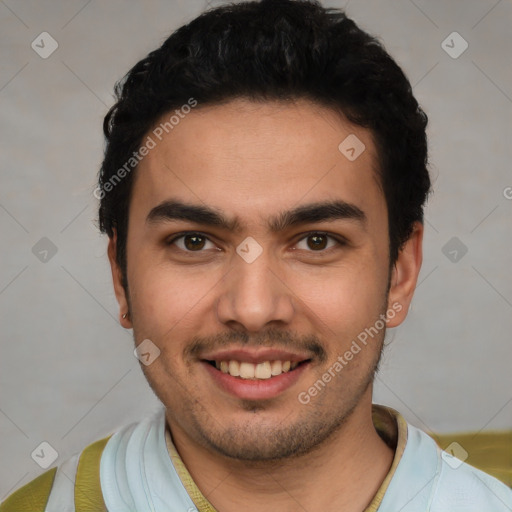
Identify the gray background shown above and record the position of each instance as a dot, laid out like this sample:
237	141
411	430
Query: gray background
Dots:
68	374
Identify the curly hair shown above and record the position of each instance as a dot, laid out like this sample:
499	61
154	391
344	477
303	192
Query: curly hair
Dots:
272	50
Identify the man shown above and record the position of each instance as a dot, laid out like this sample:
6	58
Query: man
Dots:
263	189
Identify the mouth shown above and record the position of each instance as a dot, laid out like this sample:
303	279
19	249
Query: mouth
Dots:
255	375
255	371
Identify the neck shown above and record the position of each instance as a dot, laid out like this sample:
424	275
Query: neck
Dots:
343	474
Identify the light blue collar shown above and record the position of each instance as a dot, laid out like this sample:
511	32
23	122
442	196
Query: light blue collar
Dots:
136	471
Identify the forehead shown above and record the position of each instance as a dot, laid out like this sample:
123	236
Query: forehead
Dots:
250	158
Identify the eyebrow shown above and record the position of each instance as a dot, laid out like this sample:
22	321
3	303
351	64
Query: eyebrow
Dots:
305	214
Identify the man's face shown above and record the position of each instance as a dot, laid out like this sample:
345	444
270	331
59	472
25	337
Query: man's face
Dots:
212	303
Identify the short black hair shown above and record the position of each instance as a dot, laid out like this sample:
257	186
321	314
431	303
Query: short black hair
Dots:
262	51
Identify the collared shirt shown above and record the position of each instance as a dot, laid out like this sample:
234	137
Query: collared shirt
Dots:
138	469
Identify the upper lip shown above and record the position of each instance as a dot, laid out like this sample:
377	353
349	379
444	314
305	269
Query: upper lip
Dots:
254	356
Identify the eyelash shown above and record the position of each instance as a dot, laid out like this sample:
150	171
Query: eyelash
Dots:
340	241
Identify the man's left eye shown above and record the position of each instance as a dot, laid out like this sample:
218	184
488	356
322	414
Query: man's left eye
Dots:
319	241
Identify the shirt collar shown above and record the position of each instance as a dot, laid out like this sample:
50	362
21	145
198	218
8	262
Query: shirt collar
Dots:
389	424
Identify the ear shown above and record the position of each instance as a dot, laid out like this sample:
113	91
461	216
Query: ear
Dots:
405	275
118	286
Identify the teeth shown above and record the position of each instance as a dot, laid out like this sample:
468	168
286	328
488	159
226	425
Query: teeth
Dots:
247	370
234	368
276	367
264	370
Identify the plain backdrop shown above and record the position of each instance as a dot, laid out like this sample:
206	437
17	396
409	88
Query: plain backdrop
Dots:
68	375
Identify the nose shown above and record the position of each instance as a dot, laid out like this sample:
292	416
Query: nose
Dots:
255	295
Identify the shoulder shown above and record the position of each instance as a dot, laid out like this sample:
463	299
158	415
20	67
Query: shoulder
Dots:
464	488
429	479
31	497
74	483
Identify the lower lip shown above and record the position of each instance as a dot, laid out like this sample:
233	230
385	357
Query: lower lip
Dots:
255	389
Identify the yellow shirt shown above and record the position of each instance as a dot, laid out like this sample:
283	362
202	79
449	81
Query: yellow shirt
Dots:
389	424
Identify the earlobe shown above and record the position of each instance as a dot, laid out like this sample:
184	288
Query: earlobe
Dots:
404	276
124	313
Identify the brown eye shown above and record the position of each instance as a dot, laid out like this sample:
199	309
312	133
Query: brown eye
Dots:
319	242
191	242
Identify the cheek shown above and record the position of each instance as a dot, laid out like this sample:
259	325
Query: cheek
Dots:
165	300
342	299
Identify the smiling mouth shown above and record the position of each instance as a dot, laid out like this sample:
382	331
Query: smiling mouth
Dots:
259	371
